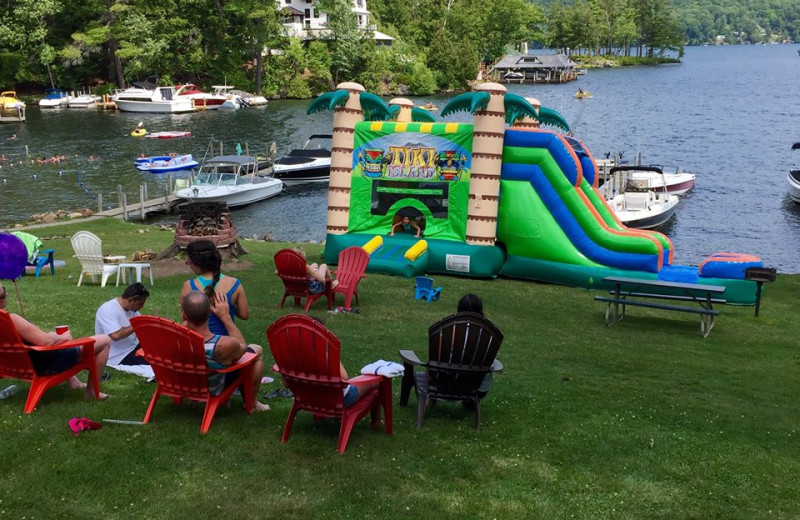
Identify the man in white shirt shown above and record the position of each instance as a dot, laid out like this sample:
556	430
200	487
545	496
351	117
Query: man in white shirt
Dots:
113	318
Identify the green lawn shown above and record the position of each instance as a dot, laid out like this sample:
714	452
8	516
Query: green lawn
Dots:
644	419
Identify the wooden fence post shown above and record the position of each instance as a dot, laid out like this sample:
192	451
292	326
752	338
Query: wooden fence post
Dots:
142	191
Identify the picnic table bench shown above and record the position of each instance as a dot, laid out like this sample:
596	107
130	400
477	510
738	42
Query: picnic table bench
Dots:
636	292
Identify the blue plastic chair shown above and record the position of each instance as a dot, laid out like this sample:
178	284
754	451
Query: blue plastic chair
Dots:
45	258
424	289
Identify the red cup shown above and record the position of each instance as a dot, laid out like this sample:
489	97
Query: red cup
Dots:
62	329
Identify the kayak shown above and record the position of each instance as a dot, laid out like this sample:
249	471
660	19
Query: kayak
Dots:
172	134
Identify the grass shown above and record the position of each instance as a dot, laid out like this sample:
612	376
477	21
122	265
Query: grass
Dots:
644	419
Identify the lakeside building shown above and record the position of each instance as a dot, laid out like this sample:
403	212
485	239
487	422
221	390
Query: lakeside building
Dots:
534	68
303	20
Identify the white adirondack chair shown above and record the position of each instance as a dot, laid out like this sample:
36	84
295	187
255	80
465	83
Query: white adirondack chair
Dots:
89	251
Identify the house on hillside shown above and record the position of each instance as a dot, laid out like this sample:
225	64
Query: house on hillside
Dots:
534	68
304	21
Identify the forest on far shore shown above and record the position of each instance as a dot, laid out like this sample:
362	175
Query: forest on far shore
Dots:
438	46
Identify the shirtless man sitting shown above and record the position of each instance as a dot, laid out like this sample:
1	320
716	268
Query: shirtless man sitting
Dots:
223	350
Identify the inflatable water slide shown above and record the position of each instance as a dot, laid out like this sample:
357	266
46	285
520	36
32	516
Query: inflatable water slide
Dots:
486	199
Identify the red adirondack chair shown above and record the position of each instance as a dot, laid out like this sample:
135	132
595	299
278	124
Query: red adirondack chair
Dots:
291	268
307	356
178	358
16	364
352	265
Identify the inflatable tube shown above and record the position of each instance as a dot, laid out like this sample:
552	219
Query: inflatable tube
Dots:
416	250
373	245
139	132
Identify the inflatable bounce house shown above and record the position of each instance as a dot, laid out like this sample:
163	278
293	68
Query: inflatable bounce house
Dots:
482	199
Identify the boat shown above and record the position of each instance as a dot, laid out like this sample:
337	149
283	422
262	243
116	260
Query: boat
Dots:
794	179
12	109
514	76
166	163
641	209
655	178
249	100
230	100
580	72
54	98
311	163
233	179
83	100
147	97
169	134
201	100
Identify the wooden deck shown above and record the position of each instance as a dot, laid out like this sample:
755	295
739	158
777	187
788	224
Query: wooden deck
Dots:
156	205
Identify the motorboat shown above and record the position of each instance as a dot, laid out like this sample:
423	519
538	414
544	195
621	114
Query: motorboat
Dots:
643	209
147	97
636	208
311	163
201	100
166	163
229	99
12	109
233	179
54	98
83	100
249	100
514	76
655	178
794	179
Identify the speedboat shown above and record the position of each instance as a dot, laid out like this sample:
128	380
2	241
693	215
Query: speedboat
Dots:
83	101
655	178
201	100
166	163
794	179
249	100
311	163
229	99
233	179
643	209
12	109
54	98
147	97
637	208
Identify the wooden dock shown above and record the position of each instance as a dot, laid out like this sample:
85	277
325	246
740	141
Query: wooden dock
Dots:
139	210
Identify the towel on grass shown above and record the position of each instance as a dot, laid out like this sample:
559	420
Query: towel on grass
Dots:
145	371
383	368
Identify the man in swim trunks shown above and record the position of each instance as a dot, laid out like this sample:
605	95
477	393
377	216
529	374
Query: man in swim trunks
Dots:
56	361
221	351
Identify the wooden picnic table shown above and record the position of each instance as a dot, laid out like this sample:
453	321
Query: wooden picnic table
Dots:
636	292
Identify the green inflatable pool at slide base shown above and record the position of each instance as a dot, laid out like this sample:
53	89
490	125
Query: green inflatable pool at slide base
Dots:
442	256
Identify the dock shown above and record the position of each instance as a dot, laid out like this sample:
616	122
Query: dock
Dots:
145	205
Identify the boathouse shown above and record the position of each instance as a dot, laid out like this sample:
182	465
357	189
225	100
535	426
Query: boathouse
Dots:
534	68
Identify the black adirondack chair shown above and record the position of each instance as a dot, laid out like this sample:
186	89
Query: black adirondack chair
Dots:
461	351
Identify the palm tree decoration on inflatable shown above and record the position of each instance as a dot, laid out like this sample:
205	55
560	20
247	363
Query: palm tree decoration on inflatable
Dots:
350	104
404	111
489	104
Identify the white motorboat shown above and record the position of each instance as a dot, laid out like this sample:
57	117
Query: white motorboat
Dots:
637	208
83	100
147	97
655	178
249	100
311	163
794	179
233	179
54	98
229	99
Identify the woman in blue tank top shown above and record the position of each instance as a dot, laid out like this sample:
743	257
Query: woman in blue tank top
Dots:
205	261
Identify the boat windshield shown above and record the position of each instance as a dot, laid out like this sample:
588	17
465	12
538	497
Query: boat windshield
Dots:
215	178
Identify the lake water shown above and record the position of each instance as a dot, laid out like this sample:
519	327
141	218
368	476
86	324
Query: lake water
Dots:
728	114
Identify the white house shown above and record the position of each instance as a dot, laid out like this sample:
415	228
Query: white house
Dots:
304	21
